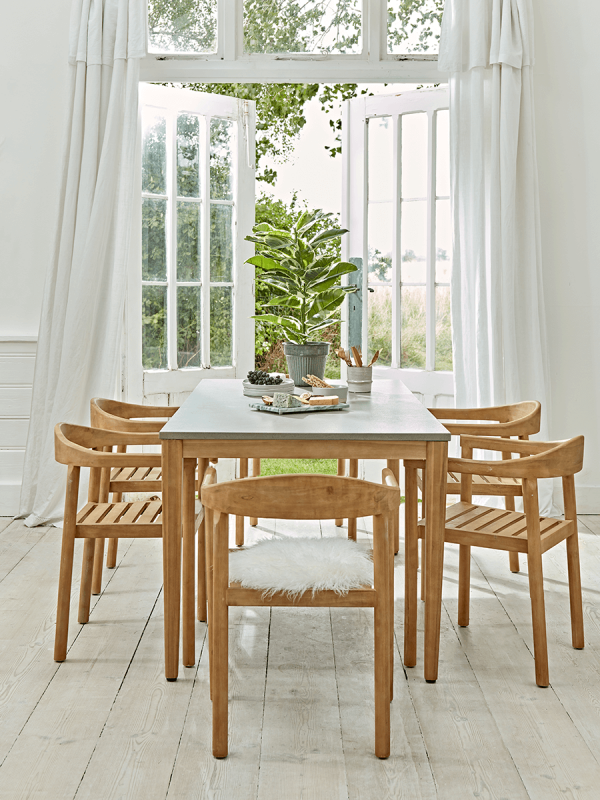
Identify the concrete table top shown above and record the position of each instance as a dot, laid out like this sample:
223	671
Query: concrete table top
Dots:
217	409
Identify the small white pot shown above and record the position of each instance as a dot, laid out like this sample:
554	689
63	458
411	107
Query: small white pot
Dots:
360	379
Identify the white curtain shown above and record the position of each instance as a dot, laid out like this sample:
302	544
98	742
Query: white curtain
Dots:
497	302
79	340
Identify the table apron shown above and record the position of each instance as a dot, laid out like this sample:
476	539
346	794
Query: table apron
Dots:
301	448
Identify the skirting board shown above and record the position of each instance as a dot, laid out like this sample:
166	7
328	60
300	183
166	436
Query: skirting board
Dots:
9	499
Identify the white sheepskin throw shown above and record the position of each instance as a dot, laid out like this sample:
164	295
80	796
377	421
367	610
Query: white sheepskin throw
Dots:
297	565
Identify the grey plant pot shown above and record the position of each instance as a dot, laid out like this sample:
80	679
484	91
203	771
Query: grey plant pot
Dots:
306	359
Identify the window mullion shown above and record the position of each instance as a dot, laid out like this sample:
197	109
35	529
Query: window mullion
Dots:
227	18
205	216
373	16
172	239
396	242
430	289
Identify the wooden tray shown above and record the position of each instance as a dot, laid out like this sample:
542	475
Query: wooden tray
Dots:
303	410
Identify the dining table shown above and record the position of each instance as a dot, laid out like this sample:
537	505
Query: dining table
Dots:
217	421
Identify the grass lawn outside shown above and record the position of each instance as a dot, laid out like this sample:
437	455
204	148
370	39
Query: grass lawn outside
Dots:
288	466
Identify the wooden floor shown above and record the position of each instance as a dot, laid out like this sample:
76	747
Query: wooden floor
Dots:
106	724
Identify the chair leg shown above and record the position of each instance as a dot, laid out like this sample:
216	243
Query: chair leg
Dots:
411	564
239	521
538	615
220	637
513	556
464	584
189	545
575	599
208	541
98	562
423	547
353	473
85	590
341	470
111	555
66	565
255	474
394	465
382	551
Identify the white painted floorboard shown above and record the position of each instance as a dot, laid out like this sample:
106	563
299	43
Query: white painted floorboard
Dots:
105	723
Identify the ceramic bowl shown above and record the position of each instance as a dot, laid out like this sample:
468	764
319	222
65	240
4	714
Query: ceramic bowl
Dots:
338	389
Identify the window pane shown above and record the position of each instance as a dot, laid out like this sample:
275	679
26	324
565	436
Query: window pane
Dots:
380	324
412	345
154	327
381	231
154	152
443	239
443	329
188	241
313	26
182	26
414	27
221	167
442	155
413	242
188	326
414	155
154	240
381	176
221	243
221	326
188	165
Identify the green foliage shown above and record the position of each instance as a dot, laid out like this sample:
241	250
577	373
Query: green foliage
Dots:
407	17
290	466
183	26
303	278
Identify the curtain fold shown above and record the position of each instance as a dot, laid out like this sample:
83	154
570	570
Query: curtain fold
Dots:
79	341
498	318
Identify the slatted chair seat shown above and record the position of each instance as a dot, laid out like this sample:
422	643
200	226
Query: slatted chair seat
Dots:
133	519
136	479
495	528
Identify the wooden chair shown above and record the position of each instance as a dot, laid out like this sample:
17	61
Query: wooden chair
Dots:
300	497
128	417
518	419
77	447
481	526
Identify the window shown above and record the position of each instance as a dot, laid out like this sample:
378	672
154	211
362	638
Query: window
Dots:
397	209
197	183
311	41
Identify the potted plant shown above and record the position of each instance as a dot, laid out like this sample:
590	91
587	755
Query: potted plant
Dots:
305	280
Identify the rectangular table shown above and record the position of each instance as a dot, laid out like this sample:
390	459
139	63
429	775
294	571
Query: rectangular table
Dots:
390	423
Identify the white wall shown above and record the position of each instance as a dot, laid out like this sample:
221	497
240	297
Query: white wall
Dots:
567	89
33	93
33	64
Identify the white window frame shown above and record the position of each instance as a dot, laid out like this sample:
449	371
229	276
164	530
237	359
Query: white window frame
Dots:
143	383
229	64
355	115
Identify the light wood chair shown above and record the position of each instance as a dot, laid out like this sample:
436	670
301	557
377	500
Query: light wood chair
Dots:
78	446
132	418
519	420
481	526
300	497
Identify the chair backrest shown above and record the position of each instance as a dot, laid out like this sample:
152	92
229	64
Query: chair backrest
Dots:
115	415
517	419
301	497
81	446
537	459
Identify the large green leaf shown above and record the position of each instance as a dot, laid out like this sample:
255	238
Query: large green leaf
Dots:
325	236
289	300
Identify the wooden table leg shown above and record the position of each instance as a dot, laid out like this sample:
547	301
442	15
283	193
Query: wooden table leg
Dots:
341	470
172	468
255	474
394	465
352	473
435	514
239	521
201	566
